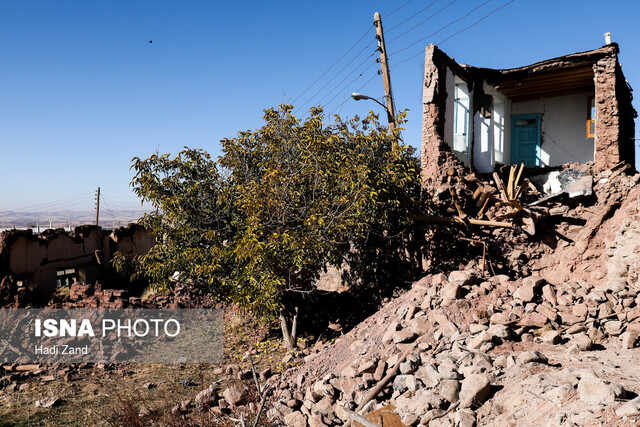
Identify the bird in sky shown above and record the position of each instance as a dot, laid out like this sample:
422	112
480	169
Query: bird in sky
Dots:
150	41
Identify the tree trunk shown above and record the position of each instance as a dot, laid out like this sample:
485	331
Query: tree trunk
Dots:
290	339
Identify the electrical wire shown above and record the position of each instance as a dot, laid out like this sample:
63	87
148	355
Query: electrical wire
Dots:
441	28
458	32
56	203
301	108
115	221
355	70
358	90
349	84
394	11
477	22
331	67
412	16
425	20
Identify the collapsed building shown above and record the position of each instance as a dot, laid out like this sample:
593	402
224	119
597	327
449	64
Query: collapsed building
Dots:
57	258
575	108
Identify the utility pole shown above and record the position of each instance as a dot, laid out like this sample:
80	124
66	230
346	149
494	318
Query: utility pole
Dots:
97	205
384	65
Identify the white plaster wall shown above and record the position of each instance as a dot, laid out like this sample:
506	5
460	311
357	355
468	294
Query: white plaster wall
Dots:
449	116
483	143
563	128
450	84
500	126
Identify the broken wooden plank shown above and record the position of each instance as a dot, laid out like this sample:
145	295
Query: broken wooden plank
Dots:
456	202
444	220
478	191
515	184
501	189
522	189
484	205
483	197
619	171
510	182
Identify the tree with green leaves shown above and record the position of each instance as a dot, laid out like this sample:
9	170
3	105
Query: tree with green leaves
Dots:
277	207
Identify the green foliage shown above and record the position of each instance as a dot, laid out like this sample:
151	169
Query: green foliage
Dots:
278	206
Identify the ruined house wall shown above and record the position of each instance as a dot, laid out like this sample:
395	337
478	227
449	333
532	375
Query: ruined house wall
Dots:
563	121
563	133
132	240
614	115
436	155
37	258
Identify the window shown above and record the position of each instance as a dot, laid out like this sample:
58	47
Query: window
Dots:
591	117
65	277
461	118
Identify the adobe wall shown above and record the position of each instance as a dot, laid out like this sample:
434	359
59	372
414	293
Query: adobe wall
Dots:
37	258
615	115
435	154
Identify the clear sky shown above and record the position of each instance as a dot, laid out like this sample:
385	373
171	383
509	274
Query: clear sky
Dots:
82	91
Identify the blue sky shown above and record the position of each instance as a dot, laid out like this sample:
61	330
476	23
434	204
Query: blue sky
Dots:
82	91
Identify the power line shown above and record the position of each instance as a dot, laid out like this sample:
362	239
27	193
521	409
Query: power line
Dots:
349	84
458	32
412	16
425	20
477	22
115	221
56	203
346	77
358	90
301	108
442	28
333	65
391	13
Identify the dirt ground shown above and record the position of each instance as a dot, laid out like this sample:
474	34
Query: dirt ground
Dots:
104	395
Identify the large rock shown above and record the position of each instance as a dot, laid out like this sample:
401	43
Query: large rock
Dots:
452	291
323	389
532	357
403	336
629	409
208	396
582	341
629	339
418	403
450	390
524	293
466	277
295	419
236	394
595	391
475	390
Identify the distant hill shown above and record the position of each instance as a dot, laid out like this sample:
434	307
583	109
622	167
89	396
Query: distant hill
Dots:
62	218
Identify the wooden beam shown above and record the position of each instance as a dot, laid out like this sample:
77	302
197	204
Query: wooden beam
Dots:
428	219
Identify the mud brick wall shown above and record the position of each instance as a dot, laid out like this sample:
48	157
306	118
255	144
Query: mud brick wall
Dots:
435	154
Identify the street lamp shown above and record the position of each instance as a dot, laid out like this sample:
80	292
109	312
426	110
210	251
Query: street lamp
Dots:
358	96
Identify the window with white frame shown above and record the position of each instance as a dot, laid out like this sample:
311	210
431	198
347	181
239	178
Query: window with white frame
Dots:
461	118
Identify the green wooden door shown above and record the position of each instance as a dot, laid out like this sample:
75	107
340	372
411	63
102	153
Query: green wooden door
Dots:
525	139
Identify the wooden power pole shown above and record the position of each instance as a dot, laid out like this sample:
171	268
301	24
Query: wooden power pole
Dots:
384	65
97	205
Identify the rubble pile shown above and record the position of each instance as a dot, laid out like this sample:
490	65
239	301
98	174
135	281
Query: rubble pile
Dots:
451	347
555	347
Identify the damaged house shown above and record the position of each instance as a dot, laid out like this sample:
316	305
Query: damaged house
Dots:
575	108
56	258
